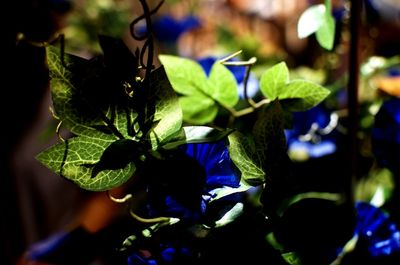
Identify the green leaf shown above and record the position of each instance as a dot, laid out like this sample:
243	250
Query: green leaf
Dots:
75	104
311	20
168	113
273	79
244	155
196	134
327	196
198	109
188	79
222	85
71	158
303	94
292	258
270	138
186	76
319	20
63	82
326	32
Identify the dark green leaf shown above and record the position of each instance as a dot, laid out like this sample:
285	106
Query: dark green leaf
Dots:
118	59
244	155
270	138
64	82
117	156
334	197
84	101
168	113
71	158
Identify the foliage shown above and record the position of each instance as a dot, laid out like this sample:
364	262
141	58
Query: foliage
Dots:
219	166
319	20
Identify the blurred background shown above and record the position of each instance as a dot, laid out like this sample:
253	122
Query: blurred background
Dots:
37	203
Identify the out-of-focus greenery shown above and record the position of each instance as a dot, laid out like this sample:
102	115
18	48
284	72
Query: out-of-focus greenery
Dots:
93	17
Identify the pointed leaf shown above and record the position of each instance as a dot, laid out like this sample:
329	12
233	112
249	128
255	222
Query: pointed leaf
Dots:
326	32
198	109
273	80
186	76
70	159
245	158
222	85
304	95
168	113
270	138
63	82
83	101
310	20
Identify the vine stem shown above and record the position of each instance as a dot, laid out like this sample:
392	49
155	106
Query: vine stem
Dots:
128	197
352	91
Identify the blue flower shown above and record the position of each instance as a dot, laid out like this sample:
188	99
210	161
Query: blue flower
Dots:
312	133
239	73
137	259
167	254
65	247
211	173
386	135
375	227
168	29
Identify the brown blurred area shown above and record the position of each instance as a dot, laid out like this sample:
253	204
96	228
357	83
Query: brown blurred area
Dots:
34	202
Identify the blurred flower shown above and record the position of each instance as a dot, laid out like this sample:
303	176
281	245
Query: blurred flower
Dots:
168	29
238	71
162	255
375	227
65	247
138	259
386	135
312	134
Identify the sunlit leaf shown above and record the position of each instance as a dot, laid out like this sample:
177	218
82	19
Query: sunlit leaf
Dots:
186	76
311	20
244	155
168	114
303	94
326	32
72	159
64	83
82	102
222	85
273	79
198	109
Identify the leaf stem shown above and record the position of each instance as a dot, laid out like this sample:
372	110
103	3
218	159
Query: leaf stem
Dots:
224	60
124	199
